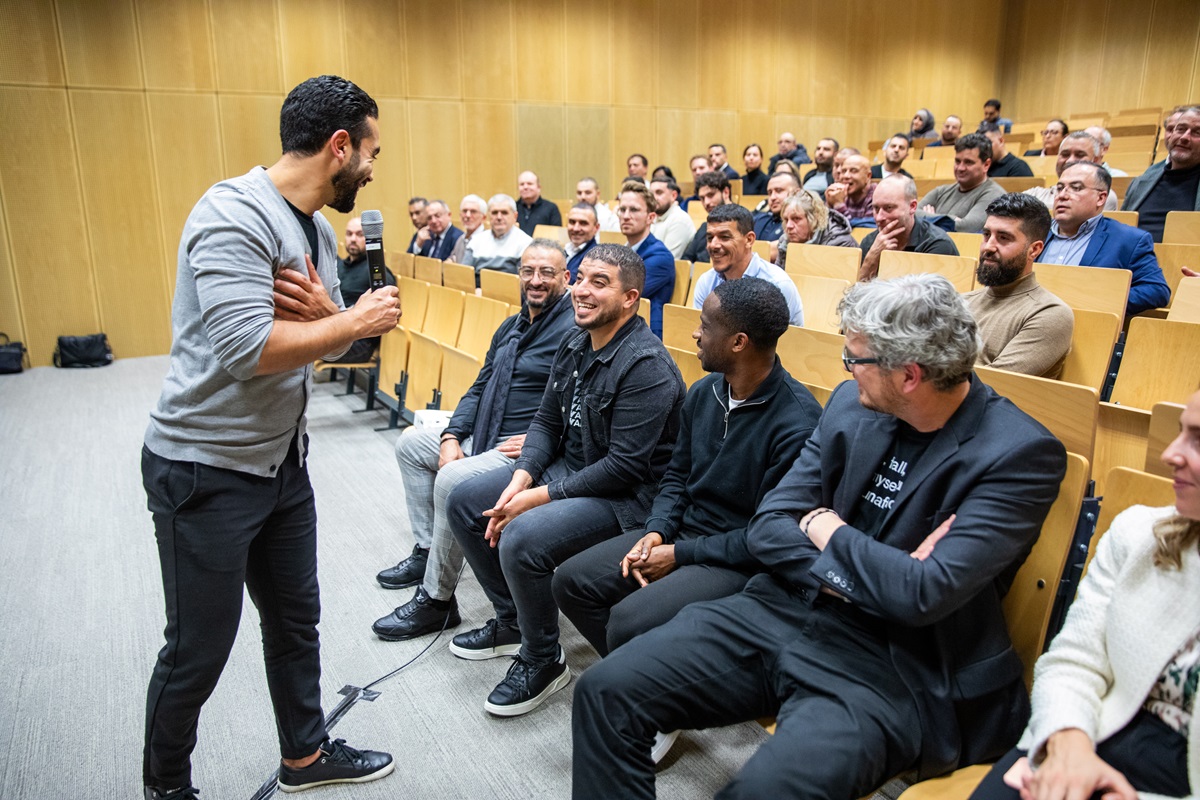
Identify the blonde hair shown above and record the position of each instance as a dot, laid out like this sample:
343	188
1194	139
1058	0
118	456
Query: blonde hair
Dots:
1174	535
635	186
812	206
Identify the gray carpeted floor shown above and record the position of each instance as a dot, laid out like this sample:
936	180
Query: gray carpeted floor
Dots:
82	620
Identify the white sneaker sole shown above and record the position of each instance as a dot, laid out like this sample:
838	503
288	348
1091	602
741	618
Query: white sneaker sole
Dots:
517	709
484	655
663	742
383	772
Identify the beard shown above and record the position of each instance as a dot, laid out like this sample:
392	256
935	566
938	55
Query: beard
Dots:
1000	272
346	182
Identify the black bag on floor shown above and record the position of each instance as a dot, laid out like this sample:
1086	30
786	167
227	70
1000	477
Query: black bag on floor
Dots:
83	351
12	356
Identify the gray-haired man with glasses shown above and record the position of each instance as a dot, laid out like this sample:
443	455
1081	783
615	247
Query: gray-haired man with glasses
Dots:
875	634
486	432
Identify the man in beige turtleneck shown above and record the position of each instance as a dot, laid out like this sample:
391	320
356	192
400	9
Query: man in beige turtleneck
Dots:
1024	327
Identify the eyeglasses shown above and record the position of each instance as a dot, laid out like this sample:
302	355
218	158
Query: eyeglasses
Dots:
850	362
547	273
1075	188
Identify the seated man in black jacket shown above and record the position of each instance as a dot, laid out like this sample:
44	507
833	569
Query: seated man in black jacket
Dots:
588	470
485	433
875	635
741	429
713	190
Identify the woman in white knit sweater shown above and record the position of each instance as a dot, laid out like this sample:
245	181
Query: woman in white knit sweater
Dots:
1113	696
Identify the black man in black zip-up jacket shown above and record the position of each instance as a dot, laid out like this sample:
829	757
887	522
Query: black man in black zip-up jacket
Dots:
741	429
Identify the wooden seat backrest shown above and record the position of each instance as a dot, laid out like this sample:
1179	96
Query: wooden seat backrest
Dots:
1067	410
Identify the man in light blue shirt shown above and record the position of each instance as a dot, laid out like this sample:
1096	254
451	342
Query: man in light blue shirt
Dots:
1082	236
1062	248
731	248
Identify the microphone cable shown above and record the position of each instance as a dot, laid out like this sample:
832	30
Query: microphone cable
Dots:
352	694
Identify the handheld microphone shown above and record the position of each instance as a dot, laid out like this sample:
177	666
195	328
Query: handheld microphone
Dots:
372	225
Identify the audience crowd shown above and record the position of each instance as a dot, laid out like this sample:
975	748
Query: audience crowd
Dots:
734	551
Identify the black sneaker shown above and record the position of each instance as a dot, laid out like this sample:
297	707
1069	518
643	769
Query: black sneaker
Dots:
408	572
527	686
336	764
491	641
417	617
182	793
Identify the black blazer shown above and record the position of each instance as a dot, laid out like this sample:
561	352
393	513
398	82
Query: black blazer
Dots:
999	471
445	247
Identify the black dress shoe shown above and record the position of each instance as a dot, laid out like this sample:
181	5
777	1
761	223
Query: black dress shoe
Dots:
408	572
417	617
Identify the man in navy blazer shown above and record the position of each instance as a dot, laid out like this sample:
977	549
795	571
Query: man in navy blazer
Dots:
438	237
635	213
875	635
1082	236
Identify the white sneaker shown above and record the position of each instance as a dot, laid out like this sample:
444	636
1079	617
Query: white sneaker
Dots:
662	745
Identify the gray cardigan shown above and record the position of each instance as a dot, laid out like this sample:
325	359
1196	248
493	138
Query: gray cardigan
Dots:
213	408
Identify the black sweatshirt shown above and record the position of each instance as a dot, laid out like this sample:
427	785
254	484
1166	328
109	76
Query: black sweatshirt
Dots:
725	462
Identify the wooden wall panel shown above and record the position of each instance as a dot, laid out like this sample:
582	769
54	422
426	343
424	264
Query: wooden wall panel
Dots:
53	271
1078	86
433	48
589	147
246	42
10	302
719	78
676	56
249	131
1126	32
634	130
437	127
100	43
121	210
1174	35
588	71
489	63
542	147
187	159
176	42
373	31
489	131
758	59
632	56
314	39
539	32
29	50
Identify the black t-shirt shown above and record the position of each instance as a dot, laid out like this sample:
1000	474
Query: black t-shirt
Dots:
310	232
1010	167
1176	191
877	502
573	441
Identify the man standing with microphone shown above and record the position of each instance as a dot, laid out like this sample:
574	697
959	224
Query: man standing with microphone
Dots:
256	301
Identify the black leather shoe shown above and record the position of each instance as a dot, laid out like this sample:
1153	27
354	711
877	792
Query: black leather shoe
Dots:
337	763
417	617
526	686
493	640
182	793
408	572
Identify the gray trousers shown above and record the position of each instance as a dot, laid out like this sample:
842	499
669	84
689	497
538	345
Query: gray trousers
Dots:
426	489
